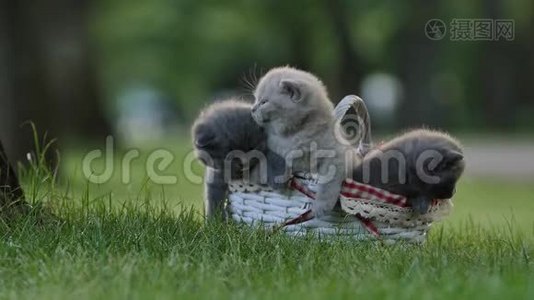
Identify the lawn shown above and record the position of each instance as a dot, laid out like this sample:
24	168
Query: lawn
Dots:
141	240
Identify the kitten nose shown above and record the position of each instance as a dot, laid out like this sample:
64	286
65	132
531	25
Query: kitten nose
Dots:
258	104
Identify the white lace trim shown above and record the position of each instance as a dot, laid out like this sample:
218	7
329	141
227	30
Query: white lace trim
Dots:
395	215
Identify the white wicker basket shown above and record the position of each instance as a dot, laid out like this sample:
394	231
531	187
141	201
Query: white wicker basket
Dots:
365	212
368	218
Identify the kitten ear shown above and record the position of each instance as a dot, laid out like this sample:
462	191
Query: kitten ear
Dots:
292	88
452	156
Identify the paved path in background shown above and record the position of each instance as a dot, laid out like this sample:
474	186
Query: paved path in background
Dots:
511	159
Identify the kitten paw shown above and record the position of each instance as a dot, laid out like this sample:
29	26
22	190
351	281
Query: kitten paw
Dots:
420	205
319	209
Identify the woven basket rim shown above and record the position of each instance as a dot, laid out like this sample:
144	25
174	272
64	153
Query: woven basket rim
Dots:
259	204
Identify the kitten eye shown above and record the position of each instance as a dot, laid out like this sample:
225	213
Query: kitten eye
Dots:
444	166
204	139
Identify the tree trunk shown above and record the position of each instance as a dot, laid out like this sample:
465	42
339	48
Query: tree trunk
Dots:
23	95
416	59
499	75
46	74
351	66
11	195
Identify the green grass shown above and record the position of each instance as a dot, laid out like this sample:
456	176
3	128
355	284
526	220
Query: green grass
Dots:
143	241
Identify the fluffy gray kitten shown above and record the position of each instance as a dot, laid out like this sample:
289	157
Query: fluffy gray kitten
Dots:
232	147
422	165
294	108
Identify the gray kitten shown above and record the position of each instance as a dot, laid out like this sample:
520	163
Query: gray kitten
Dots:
294	108
422	165
232	147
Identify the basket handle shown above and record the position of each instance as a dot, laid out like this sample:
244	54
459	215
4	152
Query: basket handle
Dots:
355	123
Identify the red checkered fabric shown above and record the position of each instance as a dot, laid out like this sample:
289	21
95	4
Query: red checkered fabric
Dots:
354	190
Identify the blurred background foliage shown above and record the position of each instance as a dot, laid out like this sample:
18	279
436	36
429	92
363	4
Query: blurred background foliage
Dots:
140	69
194	50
